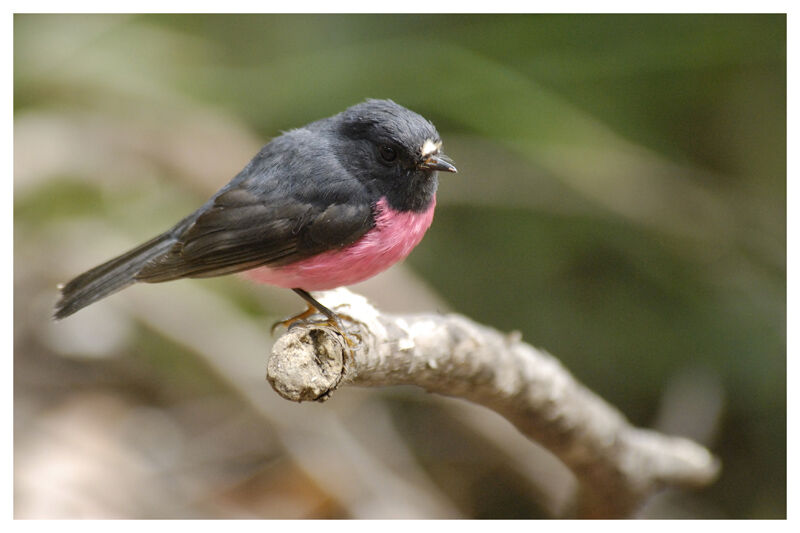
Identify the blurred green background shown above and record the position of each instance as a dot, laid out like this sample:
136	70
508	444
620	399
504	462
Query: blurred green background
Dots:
621	201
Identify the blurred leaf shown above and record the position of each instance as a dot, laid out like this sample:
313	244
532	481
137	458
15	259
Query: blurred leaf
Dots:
621	200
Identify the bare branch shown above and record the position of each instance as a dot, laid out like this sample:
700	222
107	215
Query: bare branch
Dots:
617	464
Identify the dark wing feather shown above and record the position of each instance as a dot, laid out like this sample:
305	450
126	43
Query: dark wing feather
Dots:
244	229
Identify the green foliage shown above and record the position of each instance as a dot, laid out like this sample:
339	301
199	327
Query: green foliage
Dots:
621	196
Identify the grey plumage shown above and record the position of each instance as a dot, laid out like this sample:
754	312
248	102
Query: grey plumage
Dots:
310	190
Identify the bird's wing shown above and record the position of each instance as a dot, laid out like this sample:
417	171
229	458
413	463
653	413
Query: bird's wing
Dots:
244	228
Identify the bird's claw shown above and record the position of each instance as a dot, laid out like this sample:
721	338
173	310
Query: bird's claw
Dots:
352	340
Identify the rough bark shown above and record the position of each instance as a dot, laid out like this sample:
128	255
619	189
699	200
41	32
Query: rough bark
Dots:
618	465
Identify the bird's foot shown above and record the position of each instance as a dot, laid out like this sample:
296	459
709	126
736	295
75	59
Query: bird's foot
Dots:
331	320
294	320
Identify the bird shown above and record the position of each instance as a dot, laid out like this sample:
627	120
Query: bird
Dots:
326	205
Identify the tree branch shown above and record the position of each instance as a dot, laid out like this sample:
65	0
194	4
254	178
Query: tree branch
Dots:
617	464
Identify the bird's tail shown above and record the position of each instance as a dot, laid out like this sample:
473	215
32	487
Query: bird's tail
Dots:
110	277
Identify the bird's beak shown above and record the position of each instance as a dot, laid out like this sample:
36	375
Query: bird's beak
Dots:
437	162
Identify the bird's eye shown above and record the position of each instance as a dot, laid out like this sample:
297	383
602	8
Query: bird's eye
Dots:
387	153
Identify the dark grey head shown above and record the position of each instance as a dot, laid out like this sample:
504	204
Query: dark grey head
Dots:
394	150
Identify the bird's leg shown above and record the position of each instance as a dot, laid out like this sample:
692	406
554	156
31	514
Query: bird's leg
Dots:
313	306
333	319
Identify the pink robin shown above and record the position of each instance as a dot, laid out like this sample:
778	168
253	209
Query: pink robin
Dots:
326	205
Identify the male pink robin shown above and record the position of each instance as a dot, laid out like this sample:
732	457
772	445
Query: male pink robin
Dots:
326	205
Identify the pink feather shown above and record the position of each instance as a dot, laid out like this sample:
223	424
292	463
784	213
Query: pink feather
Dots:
395	234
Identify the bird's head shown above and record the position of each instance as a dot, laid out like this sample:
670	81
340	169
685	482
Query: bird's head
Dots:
393	150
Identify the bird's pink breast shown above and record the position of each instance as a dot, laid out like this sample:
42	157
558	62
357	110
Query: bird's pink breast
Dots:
395	234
